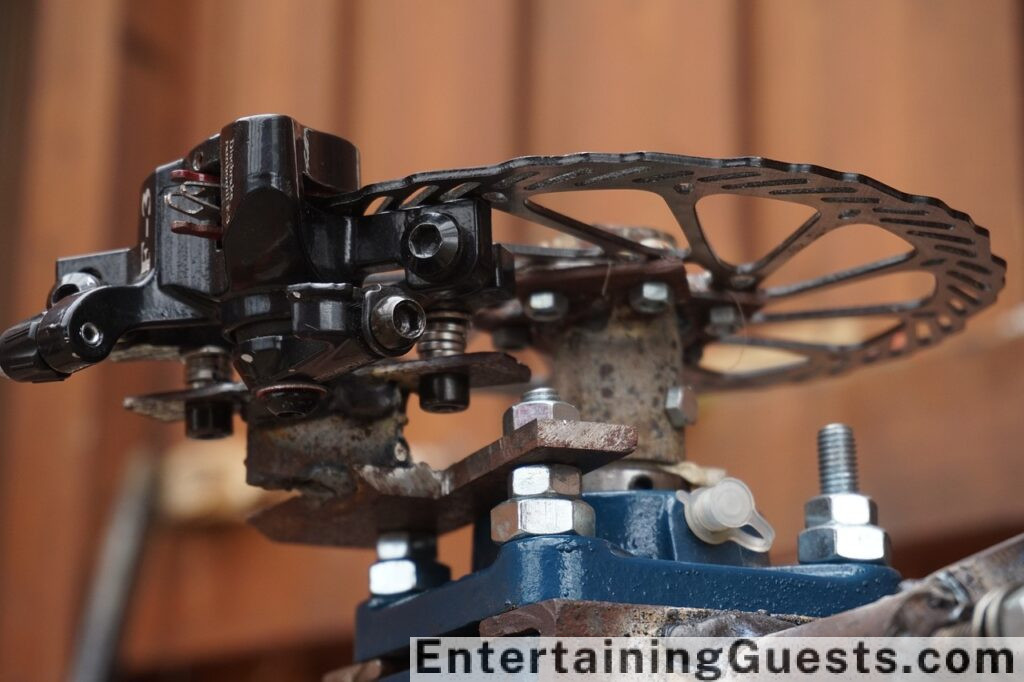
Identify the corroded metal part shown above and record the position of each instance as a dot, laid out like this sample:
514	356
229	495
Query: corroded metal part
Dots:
571	618
620	372
419	498
943	599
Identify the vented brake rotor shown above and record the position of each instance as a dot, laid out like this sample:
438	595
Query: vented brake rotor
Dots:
945	243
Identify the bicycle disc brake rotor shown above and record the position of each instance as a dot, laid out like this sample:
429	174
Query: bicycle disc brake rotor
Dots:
945	243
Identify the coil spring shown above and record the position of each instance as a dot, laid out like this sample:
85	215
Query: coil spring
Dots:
445	334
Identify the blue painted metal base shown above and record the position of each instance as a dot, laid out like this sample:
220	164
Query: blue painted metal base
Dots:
569	567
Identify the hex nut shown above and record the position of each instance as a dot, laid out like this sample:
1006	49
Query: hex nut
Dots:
406	545
398	576
842	508
650	298
544	479
530	516
838	543
546	306
525	412
681	406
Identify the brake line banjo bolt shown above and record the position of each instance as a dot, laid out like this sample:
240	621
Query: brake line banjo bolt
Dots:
837	459
841	523
445	335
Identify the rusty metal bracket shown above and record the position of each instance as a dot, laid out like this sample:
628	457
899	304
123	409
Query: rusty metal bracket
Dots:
419	498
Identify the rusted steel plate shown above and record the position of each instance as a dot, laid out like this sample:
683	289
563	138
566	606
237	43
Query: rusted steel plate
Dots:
417	497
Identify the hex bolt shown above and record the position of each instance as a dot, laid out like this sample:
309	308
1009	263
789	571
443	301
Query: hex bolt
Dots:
396	322
681	406
406	563
544	500
546	306
432	243
650	298
840	523
539	403
837	459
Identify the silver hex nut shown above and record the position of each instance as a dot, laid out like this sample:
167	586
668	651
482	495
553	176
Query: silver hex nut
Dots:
546	306
525	412
544	479
398	576
650	298
842	508
681	406
531	516
837	543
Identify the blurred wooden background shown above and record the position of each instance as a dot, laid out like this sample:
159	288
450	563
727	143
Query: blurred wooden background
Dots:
924	95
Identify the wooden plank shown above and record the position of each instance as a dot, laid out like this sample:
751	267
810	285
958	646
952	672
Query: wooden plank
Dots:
51	429
925	96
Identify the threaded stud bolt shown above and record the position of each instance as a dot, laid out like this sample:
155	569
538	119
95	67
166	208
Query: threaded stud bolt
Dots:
837	459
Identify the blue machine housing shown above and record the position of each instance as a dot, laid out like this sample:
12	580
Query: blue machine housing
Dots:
644	553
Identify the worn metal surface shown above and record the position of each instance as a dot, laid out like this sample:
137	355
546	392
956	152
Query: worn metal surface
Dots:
537	569
943	599
577	618
484	369
416	497
619	372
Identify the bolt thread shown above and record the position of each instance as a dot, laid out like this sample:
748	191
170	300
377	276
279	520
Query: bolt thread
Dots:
837	459
445	334
207	366
539	394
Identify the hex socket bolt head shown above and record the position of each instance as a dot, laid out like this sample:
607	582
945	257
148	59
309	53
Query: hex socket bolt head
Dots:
396	322
433	242
650	298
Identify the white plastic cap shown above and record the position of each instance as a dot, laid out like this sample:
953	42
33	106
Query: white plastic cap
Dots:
725	505
718	512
